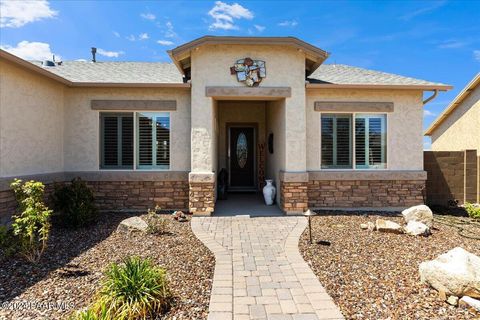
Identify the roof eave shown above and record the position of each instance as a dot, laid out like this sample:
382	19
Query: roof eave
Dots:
454	104
129	85
377	86
32	67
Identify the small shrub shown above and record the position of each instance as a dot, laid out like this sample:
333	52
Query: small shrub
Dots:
132	290
32	225
89	314
473	210
75	203
156	223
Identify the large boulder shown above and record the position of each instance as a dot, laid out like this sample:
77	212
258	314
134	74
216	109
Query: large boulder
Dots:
415	228
388	226
420	213
132	224
456	272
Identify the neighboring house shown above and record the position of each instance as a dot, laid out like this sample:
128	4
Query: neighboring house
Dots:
453	164
458	127
330	136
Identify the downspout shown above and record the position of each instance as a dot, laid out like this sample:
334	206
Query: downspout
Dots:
433	96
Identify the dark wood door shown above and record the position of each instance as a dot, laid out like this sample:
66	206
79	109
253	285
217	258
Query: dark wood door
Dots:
242	157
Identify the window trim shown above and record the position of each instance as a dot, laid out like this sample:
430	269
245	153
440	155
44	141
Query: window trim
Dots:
354	164
135	143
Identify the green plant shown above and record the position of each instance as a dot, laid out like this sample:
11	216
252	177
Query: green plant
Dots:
90	314
32	225
75	203
473	210
156	223
134	289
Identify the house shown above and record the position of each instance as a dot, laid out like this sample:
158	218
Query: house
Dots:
330	136
453	164
458	127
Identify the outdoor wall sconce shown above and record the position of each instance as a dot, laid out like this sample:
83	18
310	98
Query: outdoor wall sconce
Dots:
270	143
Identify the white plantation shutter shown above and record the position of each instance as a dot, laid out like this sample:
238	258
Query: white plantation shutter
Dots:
336	141
116	131
370	141
153	139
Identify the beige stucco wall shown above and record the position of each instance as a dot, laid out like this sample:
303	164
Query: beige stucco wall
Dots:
404	125
31	122
211	67
275	123
82	132
461	130
251	112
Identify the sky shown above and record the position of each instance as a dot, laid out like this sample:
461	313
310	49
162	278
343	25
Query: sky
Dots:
432	40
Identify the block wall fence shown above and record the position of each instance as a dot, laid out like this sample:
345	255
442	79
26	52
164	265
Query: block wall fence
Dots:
452	176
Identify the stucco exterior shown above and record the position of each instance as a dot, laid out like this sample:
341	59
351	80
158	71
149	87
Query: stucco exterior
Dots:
404	124
82	131
31	122
461	129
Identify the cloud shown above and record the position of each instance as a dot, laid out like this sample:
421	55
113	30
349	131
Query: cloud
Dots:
15	14
110	54
259	28
164	42
224	15
452	44
131	38
170	33
143	36
428	113
476	55
422	11
116	34
32	51
148	16
288	23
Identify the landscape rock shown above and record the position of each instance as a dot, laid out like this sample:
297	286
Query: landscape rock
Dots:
467	301
421	213
457	272
132	224
442	295
388	226
415	228
452	300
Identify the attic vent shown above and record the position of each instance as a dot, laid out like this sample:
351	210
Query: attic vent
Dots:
48	63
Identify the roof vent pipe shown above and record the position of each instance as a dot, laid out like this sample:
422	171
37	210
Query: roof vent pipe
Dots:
94	51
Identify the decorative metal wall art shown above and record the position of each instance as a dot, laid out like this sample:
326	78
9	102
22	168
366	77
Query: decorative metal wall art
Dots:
249	71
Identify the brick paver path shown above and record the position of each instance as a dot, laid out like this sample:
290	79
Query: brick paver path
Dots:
259	272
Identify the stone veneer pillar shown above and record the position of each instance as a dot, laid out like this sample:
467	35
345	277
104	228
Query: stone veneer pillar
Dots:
294	192
201	193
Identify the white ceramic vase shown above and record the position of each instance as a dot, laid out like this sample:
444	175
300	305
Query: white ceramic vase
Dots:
269	192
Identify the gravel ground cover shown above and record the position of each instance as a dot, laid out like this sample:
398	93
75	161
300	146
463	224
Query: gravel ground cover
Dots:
69	274
374	275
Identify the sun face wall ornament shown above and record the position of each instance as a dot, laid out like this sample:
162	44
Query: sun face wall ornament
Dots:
249	71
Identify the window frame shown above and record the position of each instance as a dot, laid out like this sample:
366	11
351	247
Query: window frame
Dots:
135	167
154	145
119	116
335	116
353	142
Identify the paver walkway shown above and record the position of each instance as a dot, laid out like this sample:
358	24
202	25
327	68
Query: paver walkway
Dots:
259	272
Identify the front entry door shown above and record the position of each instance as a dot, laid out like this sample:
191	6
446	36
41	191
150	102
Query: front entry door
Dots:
242	158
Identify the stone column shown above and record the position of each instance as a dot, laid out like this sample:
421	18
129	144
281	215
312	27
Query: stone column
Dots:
294	192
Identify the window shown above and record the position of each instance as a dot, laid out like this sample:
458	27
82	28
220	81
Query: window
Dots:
338	139
151	143
370	145
153	136
116	131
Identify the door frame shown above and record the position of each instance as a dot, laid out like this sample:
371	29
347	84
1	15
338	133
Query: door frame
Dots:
254	126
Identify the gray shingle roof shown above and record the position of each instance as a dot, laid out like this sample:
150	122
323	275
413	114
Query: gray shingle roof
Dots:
117	72
158	72
343	74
